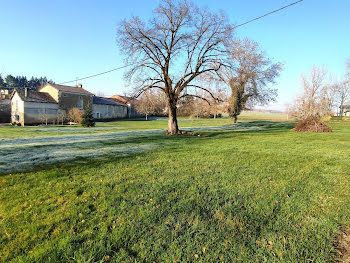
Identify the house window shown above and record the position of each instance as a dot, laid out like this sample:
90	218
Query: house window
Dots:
98	115
80	102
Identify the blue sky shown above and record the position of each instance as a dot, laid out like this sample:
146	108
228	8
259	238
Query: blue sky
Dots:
65	40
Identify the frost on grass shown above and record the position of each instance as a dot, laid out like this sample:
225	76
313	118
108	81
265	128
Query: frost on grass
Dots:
66	139
24	153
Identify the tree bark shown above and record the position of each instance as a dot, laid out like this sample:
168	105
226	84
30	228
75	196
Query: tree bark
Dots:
172	122
235	117
341	108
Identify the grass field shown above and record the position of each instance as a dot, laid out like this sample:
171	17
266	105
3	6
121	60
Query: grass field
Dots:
256	193
10	132
39	146
260	115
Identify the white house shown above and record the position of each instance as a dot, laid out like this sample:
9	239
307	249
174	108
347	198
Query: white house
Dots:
346	110
32	107
53	101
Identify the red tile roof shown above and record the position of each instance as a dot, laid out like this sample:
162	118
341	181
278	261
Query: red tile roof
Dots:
117	101
123	99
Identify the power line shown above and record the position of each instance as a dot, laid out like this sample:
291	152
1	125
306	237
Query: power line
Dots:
272	12
125	66
102	73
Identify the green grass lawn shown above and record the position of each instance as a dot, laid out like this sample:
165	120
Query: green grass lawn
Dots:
10	132
15	132
269	195
257	115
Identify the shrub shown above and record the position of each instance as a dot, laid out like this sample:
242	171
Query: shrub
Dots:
75	115
87	118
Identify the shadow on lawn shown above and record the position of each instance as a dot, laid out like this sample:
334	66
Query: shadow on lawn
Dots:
173	143
262	127
276	125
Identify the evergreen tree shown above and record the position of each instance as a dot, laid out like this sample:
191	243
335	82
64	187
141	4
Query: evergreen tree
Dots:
11	81
22	82
2	83
87	118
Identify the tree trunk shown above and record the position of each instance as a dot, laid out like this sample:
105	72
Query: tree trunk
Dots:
146	117
172	123
341	113
235	117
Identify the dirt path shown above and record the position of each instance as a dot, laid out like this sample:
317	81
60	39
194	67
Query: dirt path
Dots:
343	246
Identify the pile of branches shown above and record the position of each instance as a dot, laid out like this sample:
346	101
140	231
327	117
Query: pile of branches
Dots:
312	124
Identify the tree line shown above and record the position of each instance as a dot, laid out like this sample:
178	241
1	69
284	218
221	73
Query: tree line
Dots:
11	82
321	94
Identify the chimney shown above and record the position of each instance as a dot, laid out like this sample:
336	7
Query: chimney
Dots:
80	85
26	92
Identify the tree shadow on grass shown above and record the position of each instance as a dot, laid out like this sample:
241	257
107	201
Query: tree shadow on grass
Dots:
262	127
173	143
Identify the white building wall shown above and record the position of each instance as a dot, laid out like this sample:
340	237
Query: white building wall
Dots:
35	112
102	111
17	109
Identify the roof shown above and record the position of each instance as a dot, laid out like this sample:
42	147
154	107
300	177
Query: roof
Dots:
106	101
123	99
117	101
70	89
34	96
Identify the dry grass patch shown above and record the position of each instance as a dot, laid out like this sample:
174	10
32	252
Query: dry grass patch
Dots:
343	245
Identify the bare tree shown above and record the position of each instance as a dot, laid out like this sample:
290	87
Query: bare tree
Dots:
248	78
173	49
146	104
43	116
315	99
218	105
61	116
160	102
200	108
330	94
343	96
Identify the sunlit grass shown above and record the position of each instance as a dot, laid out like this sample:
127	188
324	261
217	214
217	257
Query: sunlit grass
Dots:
9	132
41	150
14	132
263	195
